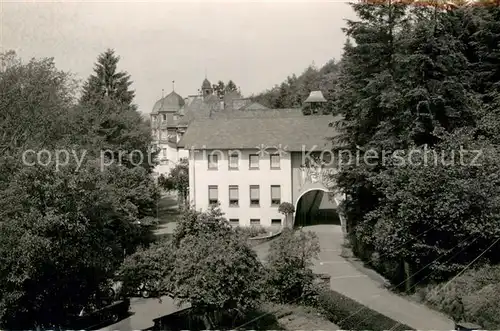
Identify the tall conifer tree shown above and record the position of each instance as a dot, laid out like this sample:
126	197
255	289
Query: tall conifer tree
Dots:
108	82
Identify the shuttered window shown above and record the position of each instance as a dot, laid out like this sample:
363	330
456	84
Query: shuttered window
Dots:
275	195
233	196
254	195
254	161
275	161
233	160
213	194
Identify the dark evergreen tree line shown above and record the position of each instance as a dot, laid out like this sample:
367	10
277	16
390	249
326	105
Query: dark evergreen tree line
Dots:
422	79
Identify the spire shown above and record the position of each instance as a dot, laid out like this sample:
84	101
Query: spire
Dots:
162	93
173	85
205	73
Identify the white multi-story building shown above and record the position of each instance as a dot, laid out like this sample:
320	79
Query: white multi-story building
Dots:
251	161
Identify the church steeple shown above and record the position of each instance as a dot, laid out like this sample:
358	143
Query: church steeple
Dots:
206	88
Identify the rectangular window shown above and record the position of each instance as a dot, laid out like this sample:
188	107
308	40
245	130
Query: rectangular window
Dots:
234	221
254	161
276	222
164	117
254	195
233	161
164	152
254	221
213	161
275	195
213	194
275	161
233	196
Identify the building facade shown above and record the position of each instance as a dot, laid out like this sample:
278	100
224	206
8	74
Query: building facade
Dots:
248	185
172	114
251	162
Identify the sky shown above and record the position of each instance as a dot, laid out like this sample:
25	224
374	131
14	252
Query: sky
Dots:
257	44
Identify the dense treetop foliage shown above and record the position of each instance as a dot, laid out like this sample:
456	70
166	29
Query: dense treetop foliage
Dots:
420	84
207	265
69	214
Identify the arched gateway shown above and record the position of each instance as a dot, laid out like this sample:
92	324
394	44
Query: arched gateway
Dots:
318	206
315	197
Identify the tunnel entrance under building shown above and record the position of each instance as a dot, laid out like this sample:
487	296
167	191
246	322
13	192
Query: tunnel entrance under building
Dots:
316	207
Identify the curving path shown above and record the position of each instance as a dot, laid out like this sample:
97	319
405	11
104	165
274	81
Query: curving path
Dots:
363	285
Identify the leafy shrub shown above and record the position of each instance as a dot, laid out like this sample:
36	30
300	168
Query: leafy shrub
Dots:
289	276
206	265
189	319
192	222
472	296
150	265
342	311
217	275
483	307
286	208
251	232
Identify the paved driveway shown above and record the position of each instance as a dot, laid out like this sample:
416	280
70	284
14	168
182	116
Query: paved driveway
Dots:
355	283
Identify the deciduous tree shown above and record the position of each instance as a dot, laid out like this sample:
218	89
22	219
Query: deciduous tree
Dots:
66	227
207	265
289	275
177	180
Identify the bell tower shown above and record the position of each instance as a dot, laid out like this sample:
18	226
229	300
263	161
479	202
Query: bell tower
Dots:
206	88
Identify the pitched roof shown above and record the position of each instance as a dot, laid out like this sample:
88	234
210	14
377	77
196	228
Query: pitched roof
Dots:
206	84
171	103
254	106
315	96
293	133
237	102
259	113
191	114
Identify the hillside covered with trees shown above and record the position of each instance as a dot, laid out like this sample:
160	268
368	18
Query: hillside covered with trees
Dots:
295	89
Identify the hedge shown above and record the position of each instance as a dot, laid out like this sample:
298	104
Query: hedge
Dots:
186	319
339	308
